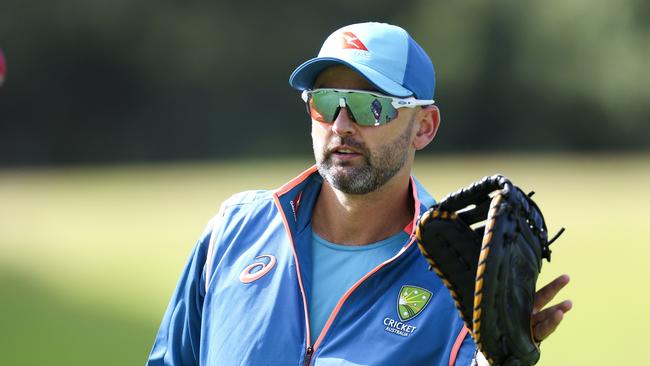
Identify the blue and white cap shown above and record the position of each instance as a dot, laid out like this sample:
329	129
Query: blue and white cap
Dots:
384	54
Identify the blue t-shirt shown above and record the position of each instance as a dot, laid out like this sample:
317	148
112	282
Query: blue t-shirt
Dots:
337	267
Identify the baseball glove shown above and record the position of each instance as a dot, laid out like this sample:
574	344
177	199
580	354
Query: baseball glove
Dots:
486	242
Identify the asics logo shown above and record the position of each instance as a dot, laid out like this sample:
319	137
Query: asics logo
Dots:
260	267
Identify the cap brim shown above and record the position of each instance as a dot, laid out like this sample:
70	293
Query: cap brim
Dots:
304	76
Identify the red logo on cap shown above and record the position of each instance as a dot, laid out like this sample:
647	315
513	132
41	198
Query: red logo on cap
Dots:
351	41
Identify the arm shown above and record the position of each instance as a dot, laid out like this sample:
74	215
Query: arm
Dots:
178	339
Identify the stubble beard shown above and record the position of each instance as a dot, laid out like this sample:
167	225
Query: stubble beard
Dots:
375	171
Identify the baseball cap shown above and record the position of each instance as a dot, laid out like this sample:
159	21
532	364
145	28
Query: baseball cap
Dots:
386	55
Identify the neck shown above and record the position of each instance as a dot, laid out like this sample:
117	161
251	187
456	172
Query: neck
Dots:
363	219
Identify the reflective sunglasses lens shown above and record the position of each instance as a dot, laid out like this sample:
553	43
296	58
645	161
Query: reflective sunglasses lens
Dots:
371	110
366	109
323	105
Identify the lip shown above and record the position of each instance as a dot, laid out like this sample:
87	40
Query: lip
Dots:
351	154
351	150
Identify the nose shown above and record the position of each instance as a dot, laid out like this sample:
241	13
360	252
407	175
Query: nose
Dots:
343	124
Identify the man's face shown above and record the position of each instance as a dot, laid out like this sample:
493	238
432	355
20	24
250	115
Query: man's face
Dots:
356	159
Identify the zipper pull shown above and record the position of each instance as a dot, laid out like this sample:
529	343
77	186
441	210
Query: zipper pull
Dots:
308	354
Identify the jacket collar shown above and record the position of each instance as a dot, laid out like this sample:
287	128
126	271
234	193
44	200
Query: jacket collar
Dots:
296	200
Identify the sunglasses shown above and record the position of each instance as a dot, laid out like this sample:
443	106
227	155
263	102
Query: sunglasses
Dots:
364	107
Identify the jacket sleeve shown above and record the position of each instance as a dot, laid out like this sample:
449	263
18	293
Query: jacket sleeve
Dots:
178	339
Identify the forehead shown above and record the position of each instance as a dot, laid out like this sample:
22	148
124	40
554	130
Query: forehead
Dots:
340	76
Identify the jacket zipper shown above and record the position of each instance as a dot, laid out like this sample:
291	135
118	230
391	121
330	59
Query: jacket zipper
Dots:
308	354
310	348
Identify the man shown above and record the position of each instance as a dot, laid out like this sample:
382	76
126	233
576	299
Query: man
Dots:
324	270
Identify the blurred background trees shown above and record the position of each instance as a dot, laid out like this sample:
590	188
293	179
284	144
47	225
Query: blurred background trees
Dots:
113	81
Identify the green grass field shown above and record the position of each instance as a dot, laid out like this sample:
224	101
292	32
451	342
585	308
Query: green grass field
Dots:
90	256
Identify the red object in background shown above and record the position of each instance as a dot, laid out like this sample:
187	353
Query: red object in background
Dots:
3	67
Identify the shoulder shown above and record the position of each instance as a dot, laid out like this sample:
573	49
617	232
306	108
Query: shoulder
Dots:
238	206
235	212
248	198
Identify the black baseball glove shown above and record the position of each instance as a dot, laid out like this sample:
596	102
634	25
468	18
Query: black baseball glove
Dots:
486	242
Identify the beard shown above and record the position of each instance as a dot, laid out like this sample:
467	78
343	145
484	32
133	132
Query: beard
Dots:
377	168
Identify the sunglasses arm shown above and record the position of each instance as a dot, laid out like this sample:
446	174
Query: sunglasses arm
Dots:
410	102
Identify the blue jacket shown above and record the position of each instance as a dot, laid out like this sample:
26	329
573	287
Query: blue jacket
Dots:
242	297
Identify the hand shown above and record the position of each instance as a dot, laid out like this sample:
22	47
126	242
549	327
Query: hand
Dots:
544	321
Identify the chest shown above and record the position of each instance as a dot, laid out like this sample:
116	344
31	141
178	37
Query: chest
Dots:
256	310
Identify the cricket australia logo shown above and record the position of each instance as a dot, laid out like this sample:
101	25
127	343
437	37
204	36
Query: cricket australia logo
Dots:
410	302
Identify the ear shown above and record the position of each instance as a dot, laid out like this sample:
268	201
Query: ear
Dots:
428	121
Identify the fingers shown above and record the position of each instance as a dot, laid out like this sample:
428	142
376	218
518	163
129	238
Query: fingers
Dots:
548	313
548	292
546	321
